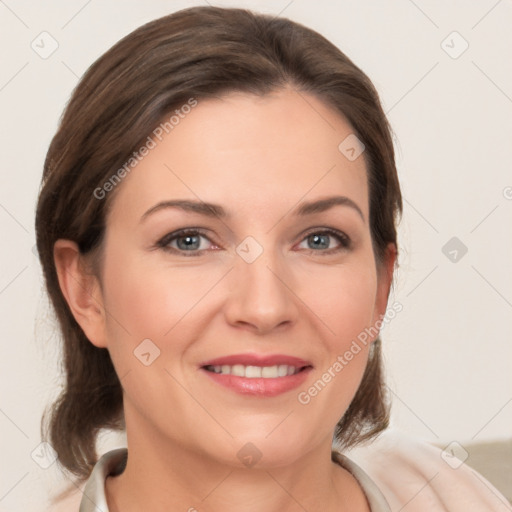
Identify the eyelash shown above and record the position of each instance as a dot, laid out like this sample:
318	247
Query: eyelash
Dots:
163	243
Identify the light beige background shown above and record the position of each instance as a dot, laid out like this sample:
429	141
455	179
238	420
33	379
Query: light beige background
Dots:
449	352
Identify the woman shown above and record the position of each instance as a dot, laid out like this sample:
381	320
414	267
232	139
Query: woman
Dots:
217	228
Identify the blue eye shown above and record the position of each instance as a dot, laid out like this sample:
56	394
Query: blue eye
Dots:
187	242
320	241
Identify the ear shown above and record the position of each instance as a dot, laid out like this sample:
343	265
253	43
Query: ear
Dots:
82	291
384	279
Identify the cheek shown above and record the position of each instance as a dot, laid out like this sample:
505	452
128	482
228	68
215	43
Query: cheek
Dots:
149	300
158	303
344	301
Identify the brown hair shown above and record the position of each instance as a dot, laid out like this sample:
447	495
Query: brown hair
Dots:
199	52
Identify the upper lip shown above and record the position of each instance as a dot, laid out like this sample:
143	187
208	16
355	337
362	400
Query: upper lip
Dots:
257	360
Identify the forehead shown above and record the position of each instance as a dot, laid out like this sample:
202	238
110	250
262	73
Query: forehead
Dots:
253	153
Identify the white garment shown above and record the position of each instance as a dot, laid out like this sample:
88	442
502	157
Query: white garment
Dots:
415	477
396	472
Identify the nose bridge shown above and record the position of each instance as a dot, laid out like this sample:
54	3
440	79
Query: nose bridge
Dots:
258	293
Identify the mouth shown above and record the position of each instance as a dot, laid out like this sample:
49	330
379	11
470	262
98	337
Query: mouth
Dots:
251	374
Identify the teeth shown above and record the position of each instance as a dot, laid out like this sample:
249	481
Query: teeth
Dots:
238	370
282	370
254	372
270	372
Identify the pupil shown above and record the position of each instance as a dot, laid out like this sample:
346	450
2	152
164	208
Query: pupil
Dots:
317	238
190	242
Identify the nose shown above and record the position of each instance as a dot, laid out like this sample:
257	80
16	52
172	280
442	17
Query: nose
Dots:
261	297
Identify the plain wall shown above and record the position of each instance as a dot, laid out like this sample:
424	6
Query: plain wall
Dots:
448	353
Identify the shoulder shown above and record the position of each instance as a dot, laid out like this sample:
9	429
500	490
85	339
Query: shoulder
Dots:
68	500
413	473
90	497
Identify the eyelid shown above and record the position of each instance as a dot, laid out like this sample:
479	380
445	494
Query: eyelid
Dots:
345	242
163	243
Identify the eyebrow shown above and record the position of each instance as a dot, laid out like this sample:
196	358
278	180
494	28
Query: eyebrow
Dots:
215	210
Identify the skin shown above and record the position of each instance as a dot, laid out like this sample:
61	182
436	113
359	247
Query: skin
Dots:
258	157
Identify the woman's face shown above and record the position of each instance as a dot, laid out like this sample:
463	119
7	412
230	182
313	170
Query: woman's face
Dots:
273	285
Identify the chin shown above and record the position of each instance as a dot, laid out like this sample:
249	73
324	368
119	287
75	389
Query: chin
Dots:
266	451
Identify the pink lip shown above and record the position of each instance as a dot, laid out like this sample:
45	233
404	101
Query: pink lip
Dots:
263	387
257	360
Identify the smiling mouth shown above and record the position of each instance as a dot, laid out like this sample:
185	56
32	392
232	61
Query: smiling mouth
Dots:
256	372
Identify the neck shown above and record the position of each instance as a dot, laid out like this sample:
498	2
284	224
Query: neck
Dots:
162	475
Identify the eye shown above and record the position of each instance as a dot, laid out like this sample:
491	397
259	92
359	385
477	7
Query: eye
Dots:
319	241
190	241
183	241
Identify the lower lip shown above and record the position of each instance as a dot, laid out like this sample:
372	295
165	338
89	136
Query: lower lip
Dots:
260	386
